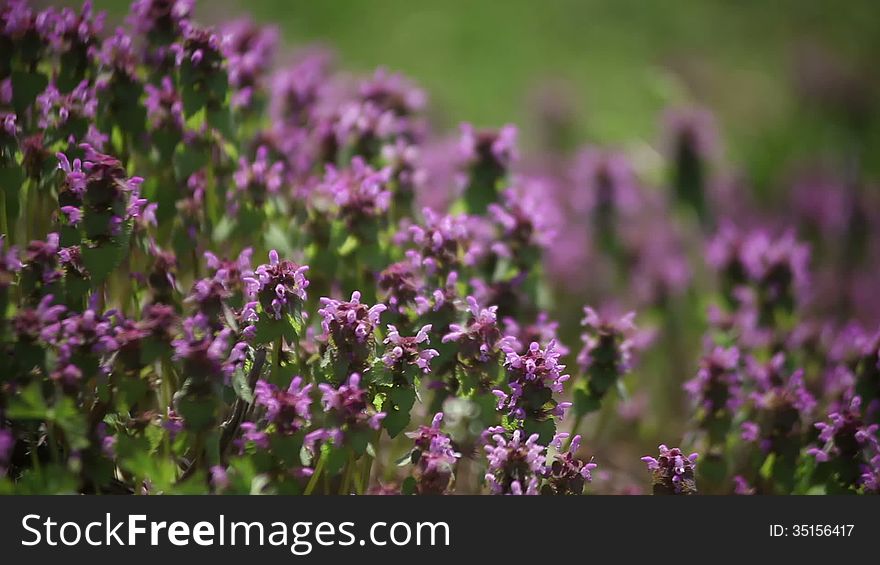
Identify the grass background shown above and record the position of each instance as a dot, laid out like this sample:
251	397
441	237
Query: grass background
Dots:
620	62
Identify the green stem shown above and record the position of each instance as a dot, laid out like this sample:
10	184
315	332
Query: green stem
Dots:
276	358
346	480
319	470
368	460
358	483
4	228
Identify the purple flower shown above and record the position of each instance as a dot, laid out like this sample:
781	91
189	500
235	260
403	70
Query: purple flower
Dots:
103	189
41	260
603	335
543	331
750	431
349	322
391	91
206	354
691	130
9	128
480	339
199	51
444	243
288	410
523	223
159	17
10	264
775	267
117	54
515	466
164	106
443	298
256	180
251	434
717	386
400	286
607	352
673	473
57	109
741	486
77	32
566	474
347	409
248	49
848	440
434	458
533	378
280	286
360	192
404	351
870	478
496	149
690	143
41	322
297	90
7	443
605	189
219	477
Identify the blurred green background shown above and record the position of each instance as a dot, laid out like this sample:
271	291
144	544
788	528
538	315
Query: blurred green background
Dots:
789	79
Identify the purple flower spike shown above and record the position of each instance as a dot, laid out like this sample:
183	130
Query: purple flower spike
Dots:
347	409
533	377
257	179
673	473
280	286
480	339
515	465
434	458
566	474
288	410
717	386
349	322
404	351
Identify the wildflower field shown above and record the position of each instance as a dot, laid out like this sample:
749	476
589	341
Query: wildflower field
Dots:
232	267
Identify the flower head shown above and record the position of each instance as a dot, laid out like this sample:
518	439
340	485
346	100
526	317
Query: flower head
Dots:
288	410
280	286
673	473
566	474
347	409
434	458
404	351
516	466
533	377
480	339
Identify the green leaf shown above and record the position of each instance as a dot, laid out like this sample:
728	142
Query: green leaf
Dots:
287	448
584	402
104	258
269	329
545	429
397	412
25	89
348	246
242	387
28	405
409	486
336	459
188	159
199	412
72	421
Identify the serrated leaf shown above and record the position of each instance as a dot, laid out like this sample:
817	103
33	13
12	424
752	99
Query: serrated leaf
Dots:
242	387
